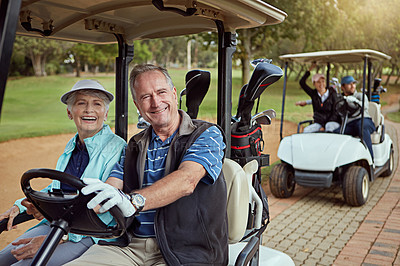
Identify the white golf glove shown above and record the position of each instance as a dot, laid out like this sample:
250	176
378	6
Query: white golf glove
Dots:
107	193
352	101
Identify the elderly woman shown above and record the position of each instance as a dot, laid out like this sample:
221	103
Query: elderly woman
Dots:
91	153
323	101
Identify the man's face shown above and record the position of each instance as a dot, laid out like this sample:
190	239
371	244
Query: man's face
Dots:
155	100
349	89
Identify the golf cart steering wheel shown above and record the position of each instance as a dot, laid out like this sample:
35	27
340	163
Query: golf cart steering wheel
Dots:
57	205
342	108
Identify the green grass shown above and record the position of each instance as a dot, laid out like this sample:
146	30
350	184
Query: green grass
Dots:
32	105
395	117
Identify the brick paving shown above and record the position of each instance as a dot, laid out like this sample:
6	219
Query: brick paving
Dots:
316	227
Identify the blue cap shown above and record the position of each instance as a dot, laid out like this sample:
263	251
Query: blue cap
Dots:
348	80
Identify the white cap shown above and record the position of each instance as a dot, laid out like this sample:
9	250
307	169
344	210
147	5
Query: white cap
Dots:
87	84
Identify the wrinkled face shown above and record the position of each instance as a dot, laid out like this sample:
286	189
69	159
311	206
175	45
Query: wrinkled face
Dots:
349	89
156	100
320	85
88	113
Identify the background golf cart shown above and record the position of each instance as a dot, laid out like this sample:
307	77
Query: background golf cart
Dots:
323	159
102	22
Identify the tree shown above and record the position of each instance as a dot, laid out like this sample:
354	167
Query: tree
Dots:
38	51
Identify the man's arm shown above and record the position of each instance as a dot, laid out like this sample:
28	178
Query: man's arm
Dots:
174	186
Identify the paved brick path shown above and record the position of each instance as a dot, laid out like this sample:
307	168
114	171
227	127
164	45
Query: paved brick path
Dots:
316	227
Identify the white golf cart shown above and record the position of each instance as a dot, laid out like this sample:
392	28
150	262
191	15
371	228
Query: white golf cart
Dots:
123	21
324	159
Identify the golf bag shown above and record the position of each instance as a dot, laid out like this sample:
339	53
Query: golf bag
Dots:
246	145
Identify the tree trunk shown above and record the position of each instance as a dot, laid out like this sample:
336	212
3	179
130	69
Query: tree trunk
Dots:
390	74
189	55
398	76
43	66
36	63
300	74
245	60
77	67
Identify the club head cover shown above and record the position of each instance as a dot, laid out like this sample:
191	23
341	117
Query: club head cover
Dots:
263	75
197	84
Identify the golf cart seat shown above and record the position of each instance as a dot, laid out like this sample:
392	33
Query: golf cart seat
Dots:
241	196
378	119
238	195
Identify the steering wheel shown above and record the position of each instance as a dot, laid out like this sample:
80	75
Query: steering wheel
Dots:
70	207
342	108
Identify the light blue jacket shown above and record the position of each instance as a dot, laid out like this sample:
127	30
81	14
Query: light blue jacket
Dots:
105	149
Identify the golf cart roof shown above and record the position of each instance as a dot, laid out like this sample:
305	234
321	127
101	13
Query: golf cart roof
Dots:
337	56
92	21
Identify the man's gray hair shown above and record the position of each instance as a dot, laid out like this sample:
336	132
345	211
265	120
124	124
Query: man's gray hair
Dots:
140	69
94	93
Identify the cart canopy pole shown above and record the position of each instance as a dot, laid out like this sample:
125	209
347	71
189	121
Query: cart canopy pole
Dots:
125	55
226	48
369	79
9	13
363	97
283	99
328	70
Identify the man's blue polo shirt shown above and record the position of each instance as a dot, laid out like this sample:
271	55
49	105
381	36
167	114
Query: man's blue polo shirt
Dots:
207	150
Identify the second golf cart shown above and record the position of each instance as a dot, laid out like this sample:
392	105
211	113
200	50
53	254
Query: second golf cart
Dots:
324	159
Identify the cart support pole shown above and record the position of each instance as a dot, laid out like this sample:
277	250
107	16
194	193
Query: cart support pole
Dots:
363	97
125	55
226	48
283	99
369	79
9	13
328	70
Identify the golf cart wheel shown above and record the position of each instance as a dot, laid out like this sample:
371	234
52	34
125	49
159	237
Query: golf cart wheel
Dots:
281	181
356	186
389	164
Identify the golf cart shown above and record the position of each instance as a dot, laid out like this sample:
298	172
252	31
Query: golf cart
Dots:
123	21
324	159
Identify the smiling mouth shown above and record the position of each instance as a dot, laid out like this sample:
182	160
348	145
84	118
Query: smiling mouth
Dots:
157	112
89	118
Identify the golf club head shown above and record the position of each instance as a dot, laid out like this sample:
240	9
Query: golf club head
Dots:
197	84
142	124
263	118
263	75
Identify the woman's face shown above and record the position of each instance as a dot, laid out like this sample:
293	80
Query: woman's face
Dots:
320	85
88	113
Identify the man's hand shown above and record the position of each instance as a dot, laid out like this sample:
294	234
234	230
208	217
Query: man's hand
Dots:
29	249
107	196
352	101
10	214
31	209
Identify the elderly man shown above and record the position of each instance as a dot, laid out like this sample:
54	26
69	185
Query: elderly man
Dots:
354	99
173	185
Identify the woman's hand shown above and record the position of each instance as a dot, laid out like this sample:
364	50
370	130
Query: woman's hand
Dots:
29	248
301	103
10	214
31	209
313	65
